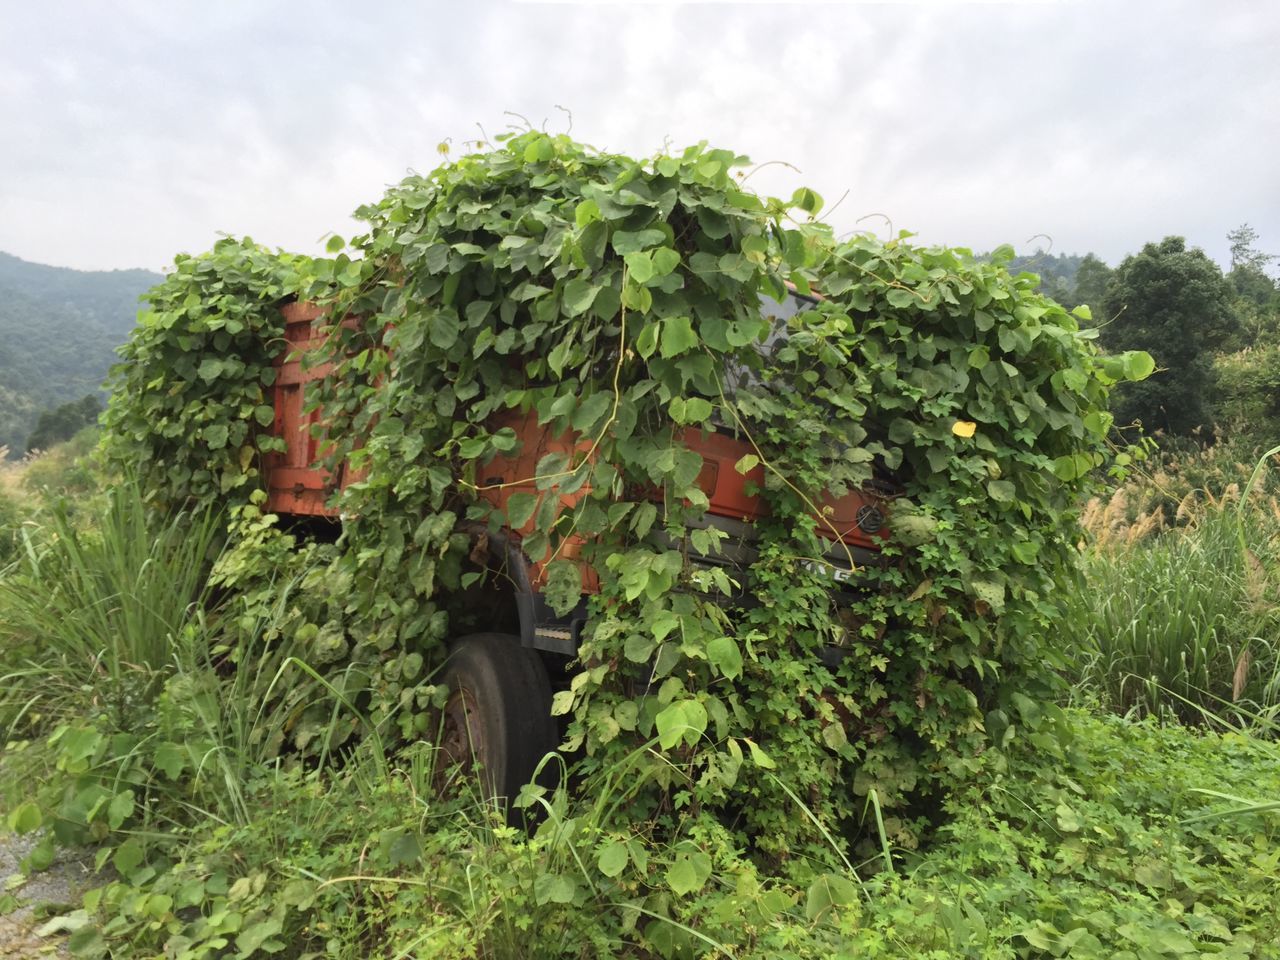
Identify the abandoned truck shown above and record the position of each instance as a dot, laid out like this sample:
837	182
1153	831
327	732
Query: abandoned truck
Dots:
498	709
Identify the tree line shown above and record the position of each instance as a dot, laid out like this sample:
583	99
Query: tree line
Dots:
1214	334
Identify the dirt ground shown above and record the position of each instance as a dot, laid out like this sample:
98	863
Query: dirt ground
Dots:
40	897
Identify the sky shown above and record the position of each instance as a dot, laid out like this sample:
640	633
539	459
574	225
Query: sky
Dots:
133	131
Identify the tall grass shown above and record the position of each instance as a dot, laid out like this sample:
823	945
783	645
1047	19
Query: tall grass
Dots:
99	612
1171	619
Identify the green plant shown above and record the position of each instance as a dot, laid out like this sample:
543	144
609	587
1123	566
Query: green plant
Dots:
70	471
1100	847
1185	620
107	608
10	521
1176	303
196	372
628	300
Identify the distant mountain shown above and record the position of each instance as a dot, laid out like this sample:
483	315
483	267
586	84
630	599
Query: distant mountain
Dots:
59	329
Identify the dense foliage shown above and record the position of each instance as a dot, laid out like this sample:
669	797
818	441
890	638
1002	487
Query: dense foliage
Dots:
623	300
1175	303
1215	337
191	396
226	744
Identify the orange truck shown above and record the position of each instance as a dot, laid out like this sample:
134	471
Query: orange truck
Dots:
501	675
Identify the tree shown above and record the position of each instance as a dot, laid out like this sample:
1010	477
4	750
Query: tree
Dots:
64	422
1175	304
1092	278
1249	267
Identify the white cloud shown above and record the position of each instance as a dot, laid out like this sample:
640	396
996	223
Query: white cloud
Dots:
134	134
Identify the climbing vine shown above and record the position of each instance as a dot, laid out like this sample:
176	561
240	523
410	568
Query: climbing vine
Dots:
628	302
191	404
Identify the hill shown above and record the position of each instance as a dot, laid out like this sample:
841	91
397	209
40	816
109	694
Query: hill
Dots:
59	329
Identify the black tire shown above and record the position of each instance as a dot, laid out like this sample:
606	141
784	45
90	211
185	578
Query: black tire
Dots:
498	712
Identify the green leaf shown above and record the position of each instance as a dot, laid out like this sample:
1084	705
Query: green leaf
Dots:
591	411
692	410
539	150
1065	468
578	297
1098	422
724	655
902	299
1068	820
1001	491
639	267
613	859
647	341
443	329
551	470
643	518
810	201
255	937
1138	365
682	720
747	463
170	758
759	757
87	942
562	588
664	261
120	809
834	736
400	847
625	242
215	435
827	892
520	507
682	877
677	337
586	212
554	888
25	818
335	244
210	369
1025	552
128	856
990	593
697	410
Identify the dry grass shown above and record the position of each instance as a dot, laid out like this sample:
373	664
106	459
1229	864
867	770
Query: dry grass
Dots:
1181	605
1180	493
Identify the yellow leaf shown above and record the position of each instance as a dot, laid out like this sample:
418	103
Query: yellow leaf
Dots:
964	428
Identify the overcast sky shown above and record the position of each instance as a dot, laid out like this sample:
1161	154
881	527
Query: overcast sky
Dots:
132	131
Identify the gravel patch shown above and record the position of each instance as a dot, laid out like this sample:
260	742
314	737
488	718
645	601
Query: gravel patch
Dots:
40	896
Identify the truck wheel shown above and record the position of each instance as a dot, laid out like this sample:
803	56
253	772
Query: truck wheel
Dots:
498	714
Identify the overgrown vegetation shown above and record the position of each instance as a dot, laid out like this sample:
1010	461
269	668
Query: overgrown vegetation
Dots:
251	753
1072	836
1181	620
